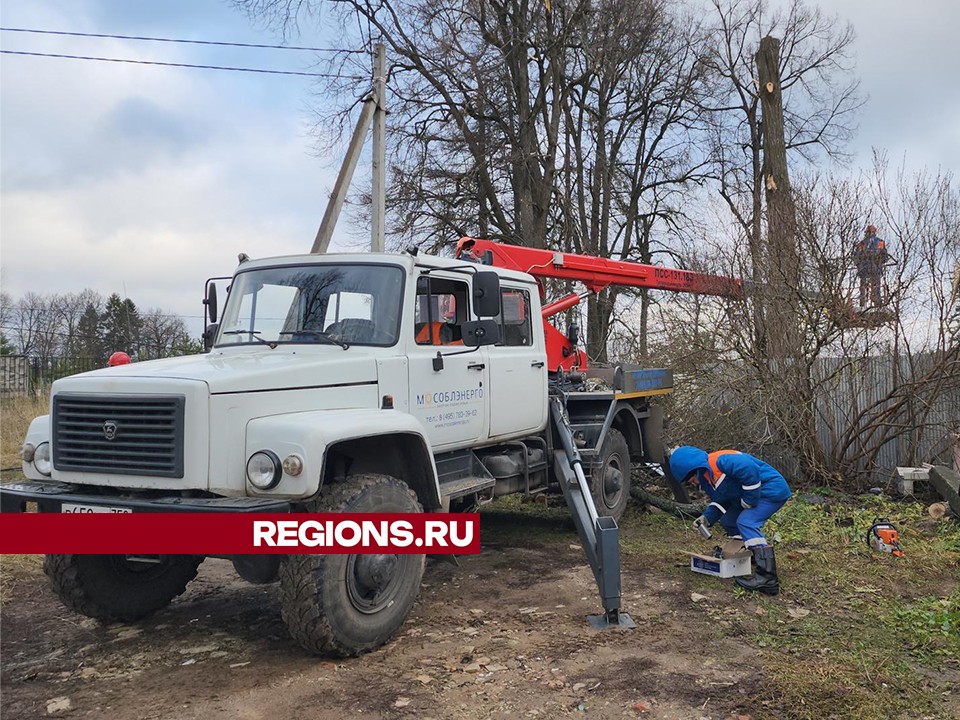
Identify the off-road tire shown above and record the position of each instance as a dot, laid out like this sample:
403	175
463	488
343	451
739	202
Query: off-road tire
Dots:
319	598
114	589
258	569
613	469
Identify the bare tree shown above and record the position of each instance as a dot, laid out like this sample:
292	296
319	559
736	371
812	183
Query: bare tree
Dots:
36	325
79	326
819	101
70	308
7	318
162	335
870	386
476	96
630	155
567	124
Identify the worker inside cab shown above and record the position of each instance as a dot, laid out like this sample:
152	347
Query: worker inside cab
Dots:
441	309
869	257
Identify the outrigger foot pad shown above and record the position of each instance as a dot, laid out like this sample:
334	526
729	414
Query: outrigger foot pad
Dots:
610	620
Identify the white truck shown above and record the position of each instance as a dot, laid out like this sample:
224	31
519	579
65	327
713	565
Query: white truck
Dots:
345	383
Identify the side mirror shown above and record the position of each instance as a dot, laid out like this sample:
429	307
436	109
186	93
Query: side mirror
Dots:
211	300
486	294
480	332
208	336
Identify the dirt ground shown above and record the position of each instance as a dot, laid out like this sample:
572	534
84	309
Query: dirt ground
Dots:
853	634
503	635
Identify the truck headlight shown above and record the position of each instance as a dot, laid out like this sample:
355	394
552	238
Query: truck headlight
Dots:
264	470
41	459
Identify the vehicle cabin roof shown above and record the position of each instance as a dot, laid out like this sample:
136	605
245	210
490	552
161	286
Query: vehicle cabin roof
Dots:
405	260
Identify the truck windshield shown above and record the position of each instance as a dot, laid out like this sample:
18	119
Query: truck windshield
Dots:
318	304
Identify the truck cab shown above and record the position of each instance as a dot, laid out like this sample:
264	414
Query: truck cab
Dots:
331	363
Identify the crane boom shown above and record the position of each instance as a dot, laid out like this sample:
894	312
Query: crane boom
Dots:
597	274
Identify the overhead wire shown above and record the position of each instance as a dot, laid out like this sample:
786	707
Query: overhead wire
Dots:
184	65
179	40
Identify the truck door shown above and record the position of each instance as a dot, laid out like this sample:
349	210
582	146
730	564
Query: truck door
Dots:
518	372
451	402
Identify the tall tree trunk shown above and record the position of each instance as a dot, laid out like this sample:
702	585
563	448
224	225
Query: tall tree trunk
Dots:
783	257
788	373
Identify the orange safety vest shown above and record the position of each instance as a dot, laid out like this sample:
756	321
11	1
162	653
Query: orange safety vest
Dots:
716	475
429	334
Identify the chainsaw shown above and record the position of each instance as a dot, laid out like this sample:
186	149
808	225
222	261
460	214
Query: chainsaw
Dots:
883	537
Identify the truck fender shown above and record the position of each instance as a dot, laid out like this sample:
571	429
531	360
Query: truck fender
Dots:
628	422
38	432
387	441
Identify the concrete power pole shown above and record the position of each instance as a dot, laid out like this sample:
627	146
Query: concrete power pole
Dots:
373	109
378	208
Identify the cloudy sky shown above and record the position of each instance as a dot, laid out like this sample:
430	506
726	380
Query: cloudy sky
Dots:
146	180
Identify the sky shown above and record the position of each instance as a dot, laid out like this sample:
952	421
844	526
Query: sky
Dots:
145	181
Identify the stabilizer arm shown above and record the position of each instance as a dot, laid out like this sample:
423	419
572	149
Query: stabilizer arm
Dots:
599	536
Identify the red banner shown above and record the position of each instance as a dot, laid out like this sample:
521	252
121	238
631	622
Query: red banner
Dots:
125	533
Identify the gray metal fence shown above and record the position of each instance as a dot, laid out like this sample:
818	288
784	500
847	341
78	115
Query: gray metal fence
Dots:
888	411
24	375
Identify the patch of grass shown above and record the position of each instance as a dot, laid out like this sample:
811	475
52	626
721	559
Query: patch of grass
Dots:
853	629
533	522
841	685
928	627
873	620
841	660
16	413
13	569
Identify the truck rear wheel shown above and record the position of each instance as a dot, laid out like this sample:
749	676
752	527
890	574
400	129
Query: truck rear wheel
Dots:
116	588
610	479
345	605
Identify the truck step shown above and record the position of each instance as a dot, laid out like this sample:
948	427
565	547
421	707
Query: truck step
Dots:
461	473
465	486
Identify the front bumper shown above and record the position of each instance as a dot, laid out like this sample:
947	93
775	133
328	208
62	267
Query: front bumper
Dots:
50	496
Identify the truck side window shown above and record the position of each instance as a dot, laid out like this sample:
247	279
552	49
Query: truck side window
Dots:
514	319
440	309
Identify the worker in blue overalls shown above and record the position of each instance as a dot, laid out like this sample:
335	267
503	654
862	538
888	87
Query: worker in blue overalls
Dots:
744	493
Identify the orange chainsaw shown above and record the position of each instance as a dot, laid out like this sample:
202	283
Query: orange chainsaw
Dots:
883	537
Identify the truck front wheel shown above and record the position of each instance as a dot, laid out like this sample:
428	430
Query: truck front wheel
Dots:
345	605
611	477
119	588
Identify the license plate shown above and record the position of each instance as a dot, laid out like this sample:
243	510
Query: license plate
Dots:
73	508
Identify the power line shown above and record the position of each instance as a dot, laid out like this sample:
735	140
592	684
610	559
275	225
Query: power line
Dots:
184	65
176	40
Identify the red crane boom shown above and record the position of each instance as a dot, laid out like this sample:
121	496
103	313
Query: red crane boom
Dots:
597	274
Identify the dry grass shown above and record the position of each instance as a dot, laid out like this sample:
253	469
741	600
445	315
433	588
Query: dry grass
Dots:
13	569
16	412
15	416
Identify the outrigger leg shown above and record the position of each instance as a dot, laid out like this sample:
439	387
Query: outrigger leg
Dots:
599	536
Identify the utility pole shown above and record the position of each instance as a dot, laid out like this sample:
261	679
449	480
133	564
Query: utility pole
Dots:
378	208
373	109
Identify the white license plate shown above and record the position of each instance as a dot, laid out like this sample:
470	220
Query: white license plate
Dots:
73	508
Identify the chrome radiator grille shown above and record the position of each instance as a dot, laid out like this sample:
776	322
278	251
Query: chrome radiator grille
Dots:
119	435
